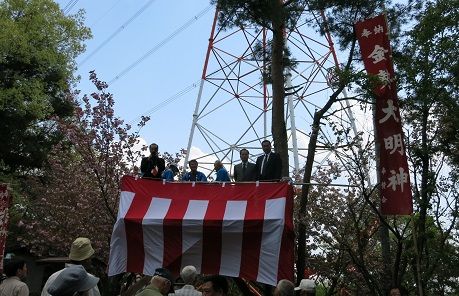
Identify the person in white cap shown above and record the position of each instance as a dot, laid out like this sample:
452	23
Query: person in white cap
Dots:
284	288
81	252
73	280
307	287
188	275
160	285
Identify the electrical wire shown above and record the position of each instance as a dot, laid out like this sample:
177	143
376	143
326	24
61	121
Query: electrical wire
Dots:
160	44
104	14
69	6
167	101
121	28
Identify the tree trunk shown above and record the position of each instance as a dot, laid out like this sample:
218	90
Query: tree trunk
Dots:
386	255
304	195
318	115
278	126
424	201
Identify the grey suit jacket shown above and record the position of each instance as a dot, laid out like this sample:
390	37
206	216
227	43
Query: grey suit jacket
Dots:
250	172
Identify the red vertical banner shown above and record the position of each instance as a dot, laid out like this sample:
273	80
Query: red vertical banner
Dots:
4	217
373	37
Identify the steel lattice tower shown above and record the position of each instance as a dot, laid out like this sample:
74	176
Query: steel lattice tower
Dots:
233	104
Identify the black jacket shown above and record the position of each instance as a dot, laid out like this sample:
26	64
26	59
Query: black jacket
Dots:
273	168
148	163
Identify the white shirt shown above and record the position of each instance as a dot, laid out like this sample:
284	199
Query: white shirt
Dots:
13	286
265	160
187	290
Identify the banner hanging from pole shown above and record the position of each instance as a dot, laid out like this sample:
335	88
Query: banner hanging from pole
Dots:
373	37
4	219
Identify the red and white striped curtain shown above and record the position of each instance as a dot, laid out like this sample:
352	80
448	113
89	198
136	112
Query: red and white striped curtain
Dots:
239	230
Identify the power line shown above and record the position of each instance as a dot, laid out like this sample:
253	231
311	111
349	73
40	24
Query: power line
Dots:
160	44
104	14
69	6
167	101
121	28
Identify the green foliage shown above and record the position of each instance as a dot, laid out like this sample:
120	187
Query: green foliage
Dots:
264	52
429	75
264	14
341	16
439	265
424	250
236	13
38	45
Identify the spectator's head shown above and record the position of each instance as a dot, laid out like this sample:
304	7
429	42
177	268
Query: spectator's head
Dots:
16	267
163	280
307	287
189	274
266	146
218	165
398	291
154	149
284	288
173	167
244	154
72	280
214	285
193	164
81	251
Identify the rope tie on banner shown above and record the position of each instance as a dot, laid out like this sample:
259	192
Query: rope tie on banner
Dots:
193	184
223	184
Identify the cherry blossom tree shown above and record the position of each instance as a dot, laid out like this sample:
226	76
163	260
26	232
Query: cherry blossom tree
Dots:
77	193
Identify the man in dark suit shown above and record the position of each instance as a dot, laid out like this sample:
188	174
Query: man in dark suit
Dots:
245	171
152	166
269	165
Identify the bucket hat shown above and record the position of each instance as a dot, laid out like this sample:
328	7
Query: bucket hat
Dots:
71	280
81	249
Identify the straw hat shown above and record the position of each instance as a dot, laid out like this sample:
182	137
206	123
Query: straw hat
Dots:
81	249
71	280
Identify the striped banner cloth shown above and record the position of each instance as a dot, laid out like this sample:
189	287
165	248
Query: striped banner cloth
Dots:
239	230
